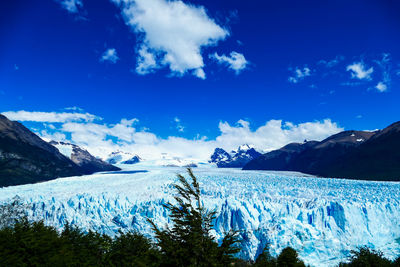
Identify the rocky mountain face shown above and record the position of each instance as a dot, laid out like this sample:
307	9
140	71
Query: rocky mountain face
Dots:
235	159
26	158
280	159
123	158
135	159
87	162
349	154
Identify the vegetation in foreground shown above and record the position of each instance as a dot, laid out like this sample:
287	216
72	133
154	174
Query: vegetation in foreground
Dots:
187	242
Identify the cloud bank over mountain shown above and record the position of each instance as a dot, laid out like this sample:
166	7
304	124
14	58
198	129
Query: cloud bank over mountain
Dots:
100	138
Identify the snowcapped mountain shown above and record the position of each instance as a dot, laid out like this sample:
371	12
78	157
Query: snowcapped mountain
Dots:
236	158
135	159
88	163
323	219
26	158
121	157
349	154
163	160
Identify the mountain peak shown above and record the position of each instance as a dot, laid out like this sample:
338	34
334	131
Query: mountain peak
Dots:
234	159
26	158
83	158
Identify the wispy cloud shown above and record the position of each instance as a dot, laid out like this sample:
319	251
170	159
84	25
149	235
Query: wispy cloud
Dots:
385	65
331	63
71	6
381	87
59	117
179	126
110	55
235	61
360	71
74	108
172	34
299	74
370	72
146	61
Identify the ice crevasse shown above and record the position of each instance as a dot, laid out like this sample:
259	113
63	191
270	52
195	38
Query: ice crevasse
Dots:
323	219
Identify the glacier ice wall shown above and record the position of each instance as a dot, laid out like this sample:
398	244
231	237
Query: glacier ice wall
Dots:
321	218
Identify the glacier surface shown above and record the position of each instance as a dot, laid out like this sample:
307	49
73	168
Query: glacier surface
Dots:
321	218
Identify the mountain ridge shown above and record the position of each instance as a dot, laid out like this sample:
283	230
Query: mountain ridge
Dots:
235	159
348	154
26	158
81	157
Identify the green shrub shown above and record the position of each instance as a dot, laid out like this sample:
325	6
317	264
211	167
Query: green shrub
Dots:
365	257
188	241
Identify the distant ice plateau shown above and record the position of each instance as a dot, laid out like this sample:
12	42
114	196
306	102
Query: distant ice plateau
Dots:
321	218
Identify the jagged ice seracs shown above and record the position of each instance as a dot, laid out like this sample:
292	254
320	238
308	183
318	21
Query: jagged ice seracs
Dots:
323	219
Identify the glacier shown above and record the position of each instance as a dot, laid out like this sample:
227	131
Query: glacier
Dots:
323	219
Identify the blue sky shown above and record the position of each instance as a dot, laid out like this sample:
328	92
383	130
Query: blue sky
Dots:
183	69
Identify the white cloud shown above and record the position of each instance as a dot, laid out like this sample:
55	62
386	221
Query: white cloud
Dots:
331	63
71	6
381	87
274	133
110	55
36	116
172	34
385	66
74	108
179	126
56	136
199	73
359	70
299	74
100	139
235	61
146	61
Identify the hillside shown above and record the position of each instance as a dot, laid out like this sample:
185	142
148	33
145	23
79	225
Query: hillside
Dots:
349	154
26	158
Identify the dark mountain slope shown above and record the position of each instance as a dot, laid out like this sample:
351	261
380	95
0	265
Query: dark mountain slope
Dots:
87	162
236	159
26	158
280	159
349	154
376	159
321	158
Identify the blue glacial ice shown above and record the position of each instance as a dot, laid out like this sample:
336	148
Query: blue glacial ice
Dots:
321	218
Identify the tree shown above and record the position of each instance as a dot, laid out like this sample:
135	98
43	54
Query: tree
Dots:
84	249
188	242
265	259
365	257
12	212
133	249
289	258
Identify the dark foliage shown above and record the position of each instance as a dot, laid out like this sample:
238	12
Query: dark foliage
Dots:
265	259
287	258
133	249
34	244
365	257
189	241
